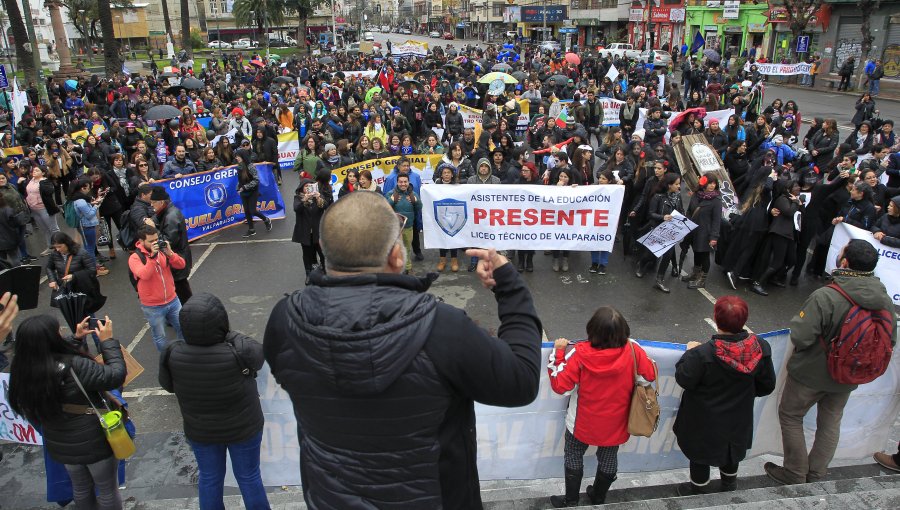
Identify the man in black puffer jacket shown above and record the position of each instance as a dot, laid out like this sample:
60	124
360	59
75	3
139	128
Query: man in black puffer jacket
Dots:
219	404
383	377
172	229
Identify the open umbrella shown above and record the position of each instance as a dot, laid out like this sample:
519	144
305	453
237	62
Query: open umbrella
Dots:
573	58
712	55
372	91
192	83
490	77
501	67
412	83
452	68
519	75
162	112
168	75
71	305
423	75
257	63
71	85
274	56
285	79
558	78
174	91
326	60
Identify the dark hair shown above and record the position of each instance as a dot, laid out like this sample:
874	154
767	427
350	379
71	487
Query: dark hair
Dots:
34	378
144	188
860	255
66	239
668	179
730	314
145	230
878	147
607	329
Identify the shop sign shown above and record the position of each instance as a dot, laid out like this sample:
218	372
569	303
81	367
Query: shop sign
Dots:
555	14
660	14
715	4
676	15
636	15
732	9
734	29
756	27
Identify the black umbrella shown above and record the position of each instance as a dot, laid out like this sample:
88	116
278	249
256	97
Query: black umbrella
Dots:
559	79
326	60
285	79
340	74
162	112
72	306
423	75
501	67
412	83
452	67
192	83
520	75
174	91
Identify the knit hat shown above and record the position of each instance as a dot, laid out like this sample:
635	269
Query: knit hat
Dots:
452	104
237	111
896	201
158	193
329	146
638	133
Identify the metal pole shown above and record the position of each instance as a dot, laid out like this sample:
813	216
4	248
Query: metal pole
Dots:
544	31
333	24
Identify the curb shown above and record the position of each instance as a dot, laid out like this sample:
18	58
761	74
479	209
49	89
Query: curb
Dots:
880	97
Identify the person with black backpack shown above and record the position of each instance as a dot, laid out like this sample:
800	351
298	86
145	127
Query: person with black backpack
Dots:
843	336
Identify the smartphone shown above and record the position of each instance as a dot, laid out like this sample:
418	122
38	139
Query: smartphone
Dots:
95	323
309	188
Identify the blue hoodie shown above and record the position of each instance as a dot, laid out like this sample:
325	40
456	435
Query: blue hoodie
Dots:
390	182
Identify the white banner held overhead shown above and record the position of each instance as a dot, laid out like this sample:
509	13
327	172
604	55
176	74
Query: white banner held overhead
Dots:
667	234
780	69
522	217
888	268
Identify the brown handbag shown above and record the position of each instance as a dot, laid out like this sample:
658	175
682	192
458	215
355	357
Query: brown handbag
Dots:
643	415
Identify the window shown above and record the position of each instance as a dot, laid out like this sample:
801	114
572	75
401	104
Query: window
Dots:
609	4
498	9
672	2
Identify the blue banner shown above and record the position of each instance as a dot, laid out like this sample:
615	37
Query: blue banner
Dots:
210	200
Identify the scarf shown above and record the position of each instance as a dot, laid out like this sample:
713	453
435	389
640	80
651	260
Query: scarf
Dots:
122	173
629	111
708	195
406	151
334	159
852	273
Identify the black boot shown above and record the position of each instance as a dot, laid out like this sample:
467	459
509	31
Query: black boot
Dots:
573	486
521	266
597	492
529	262
758	286
728	482
693	276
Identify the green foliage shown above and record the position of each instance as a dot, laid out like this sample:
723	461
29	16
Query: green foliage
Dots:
196	39
265	13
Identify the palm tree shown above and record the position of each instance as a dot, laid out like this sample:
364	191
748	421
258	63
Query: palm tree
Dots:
165	14
186	28
113	61
20	34
201	15
304	9
266	13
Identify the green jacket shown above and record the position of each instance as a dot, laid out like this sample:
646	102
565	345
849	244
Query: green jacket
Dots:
821	317
405	207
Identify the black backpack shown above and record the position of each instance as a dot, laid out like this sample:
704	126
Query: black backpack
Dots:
125	237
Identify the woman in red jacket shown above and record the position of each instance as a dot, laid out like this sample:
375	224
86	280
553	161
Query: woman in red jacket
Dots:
600	375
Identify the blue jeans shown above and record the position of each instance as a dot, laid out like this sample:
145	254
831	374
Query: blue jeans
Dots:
89	235
244	465
157	317
874	87
600	258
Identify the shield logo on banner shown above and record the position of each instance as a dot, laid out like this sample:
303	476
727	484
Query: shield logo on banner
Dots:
215	195
450	215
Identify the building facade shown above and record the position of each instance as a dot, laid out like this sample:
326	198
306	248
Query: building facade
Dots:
728	26
658	26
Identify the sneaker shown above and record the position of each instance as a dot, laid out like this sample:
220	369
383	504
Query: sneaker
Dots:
102	271
268	225
593	268
601	269
250	233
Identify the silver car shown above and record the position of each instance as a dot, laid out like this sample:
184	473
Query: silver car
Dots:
659	58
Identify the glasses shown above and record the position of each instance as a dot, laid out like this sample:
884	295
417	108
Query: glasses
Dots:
142	164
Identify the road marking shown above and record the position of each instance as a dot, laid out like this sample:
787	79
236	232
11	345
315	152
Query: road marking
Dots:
709	297
140	334
250	241
711	323
146	392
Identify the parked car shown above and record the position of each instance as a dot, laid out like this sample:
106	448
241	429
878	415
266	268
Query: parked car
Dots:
368	36
405	31
659	58
386	29
434	33
511	34
621	50
448	36
219	45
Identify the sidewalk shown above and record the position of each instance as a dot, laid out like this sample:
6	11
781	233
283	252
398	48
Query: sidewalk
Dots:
884	95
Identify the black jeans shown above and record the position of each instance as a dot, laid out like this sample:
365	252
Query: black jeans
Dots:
702	259
664	260
443	253
183	290
248	200
845	83
700	472
312	254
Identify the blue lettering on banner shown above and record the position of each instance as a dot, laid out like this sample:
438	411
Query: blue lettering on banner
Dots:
210	200
890	254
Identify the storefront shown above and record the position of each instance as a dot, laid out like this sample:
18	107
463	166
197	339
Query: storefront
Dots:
665	31
783	42
735	26
534	18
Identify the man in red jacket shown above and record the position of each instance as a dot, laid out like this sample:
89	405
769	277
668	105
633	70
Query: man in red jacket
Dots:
151	267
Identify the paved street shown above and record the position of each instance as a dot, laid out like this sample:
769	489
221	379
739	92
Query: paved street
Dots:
251	276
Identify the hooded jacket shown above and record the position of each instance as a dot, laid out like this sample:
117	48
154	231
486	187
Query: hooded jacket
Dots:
384	393
821	317
721	380
219	404
155	285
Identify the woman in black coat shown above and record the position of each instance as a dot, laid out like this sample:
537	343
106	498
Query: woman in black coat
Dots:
71	267
780	248
266	149
310	201
887	228
865	109
705	210
42	388
823	143
666	201
212	373
737	165
721	379
750	228
861	139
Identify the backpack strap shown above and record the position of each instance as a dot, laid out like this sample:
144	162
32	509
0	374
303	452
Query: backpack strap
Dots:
840	291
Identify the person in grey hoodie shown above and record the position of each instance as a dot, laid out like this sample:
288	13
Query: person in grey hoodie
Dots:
483	175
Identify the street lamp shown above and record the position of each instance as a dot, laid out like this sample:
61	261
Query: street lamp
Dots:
87	40
252	27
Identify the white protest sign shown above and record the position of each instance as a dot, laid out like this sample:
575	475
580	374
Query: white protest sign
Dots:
613	73
527	442
360	74
780	69
667	233
888	268
13	427
288	147
522	217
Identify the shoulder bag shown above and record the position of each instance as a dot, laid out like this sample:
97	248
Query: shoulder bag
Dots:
112	423
643	415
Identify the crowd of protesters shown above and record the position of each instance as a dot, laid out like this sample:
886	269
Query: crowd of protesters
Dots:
90	149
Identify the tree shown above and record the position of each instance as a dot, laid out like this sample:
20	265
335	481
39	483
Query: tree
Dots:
303	9
265	13
186	28
165	14
112	59
20	34
799	14
201	14
866	8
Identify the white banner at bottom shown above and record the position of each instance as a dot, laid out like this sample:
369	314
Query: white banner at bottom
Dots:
888	268
521	217
527	442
